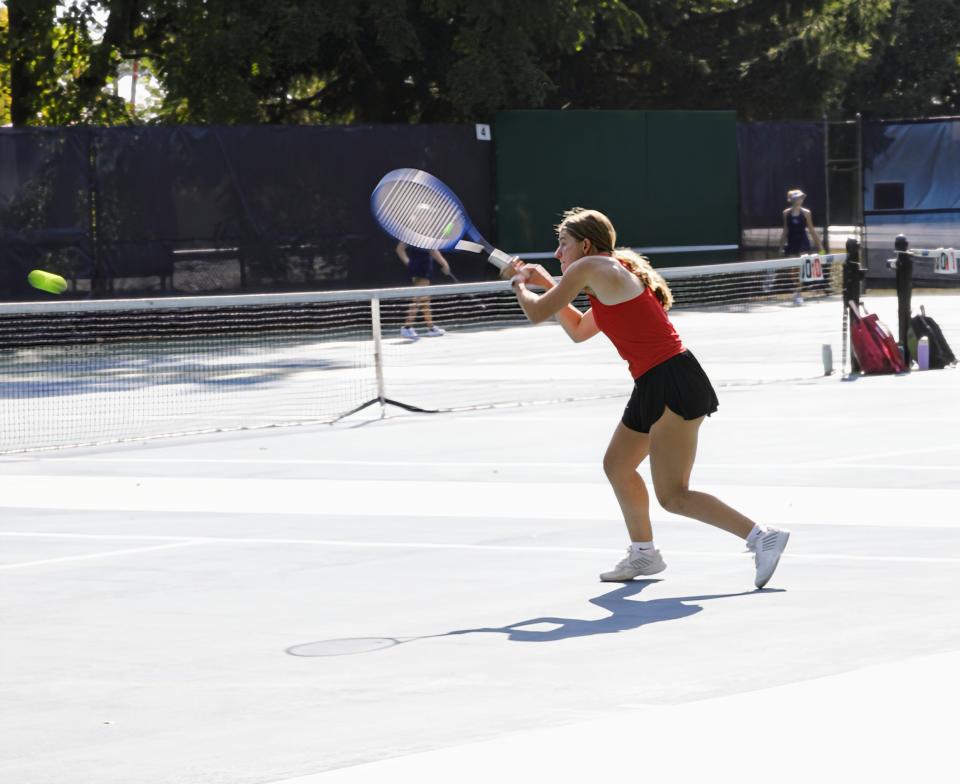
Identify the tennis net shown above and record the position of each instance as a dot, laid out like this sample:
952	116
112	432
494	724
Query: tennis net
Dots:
100	371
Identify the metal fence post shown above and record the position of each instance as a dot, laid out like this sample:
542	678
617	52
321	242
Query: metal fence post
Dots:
904	294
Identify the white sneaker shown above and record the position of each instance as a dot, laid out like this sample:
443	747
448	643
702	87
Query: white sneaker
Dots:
435	332
641	562
766	554
408	332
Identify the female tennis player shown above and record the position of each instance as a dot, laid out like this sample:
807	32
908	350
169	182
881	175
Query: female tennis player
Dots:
419	264
671	394
798	226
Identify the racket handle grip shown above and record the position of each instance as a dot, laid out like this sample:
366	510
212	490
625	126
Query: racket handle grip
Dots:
499	259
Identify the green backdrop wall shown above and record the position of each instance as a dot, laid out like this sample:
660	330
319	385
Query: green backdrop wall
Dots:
665	178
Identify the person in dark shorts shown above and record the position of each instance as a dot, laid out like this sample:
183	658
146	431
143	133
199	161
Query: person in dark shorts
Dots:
671	395
419	265
798	227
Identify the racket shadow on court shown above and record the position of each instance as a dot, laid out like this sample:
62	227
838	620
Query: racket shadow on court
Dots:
625	615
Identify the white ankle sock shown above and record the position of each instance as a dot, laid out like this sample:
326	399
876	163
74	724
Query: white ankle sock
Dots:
634	546
755	533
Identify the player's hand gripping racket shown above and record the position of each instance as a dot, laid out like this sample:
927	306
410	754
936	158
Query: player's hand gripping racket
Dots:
418	209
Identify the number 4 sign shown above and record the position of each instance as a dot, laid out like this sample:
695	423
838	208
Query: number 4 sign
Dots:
946	261
811	268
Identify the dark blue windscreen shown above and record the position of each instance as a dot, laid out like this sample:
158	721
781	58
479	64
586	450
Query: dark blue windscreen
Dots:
911	179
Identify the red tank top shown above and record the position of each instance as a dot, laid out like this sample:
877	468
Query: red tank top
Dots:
639	329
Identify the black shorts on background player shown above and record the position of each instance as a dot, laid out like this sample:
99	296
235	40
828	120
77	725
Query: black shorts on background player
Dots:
421	263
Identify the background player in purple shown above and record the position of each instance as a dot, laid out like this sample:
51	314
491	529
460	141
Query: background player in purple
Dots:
419	265
797	222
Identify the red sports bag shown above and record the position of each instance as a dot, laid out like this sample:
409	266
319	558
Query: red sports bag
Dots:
873	344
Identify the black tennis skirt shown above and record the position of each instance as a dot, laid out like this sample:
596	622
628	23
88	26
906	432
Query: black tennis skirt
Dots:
420	267
679	383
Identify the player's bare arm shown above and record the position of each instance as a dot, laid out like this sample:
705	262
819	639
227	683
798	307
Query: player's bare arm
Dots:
578	325
540	307
813	231
438	257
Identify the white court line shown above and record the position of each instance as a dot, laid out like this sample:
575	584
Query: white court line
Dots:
135	537
898	453
497	499
593	465
321	462
355	544
726	416
91	556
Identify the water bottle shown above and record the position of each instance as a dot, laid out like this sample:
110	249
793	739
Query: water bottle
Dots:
923	353
827	354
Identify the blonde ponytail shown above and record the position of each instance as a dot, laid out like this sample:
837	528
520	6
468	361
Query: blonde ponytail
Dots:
595	226
649	277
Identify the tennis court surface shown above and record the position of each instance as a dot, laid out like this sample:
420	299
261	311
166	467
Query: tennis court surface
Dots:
416	598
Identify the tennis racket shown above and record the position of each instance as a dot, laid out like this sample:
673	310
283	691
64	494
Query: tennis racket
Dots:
418	209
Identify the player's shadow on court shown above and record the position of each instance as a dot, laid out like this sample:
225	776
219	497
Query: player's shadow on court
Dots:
625	615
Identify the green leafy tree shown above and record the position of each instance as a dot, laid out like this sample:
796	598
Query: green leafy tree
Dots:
228	61
513	55
372	60
28	55
4	70
342	61
766	58
915	72
61	58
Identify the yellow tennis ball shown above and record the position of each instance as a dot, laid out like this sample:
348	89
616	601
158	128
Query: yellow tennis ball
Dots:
47	281
448	229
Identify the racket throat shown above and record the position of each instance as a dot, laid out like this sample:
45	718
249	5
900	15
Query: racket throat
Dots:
496	257
473	247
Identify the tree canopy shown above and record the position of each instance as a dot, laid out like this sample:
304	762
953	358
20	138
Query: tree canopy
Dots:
346	61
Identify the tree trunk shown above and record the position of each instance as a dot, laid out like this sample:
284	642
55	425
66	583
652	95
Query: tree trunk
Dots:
30	23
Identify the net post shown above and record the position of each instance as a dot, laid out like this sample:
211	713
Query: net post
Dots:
853	275
378	353
904	294
381	398
826	181
860	200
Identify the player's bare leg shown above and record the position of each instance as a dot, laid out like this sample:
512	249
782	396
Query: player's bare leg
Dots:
408	330
423	303
673	448
626	451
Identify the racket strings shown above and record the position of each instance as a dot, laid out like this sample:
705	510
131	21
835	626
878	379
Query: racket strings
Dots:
418	214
